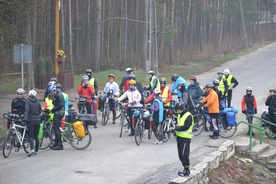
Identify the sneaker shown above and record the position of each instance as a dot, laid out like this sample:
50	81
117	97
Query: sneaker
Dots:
213	136
95	126
57	148
32	152
159	143
113	122
206	129
186	172
36	153
131	134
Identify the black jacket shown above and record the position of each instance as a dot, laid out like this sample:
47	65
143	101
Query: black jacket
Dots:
58	103
32	110
271	103
19	105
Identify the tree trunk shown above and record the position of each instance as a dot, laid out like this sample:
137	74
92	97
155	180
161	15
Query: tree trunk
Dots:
70	38
98	35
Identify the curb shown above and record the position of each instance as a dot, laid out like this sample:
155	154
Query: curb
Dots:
199	174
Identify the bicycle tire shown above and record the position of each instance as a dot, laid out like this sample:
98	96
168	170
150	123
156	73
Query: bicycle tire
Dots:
226	131
46	140
149	133
268	128
138	132
199	124
80	143
166	130
8	144
105	114
26	144
118	109
83	110
122	123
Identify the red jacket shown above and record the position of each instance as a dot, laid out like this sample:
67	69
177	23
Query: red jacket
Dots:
151	97
88	92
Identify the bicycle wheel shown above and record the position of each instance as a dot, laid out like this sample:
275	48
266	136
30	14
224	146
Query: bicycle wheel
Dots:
46	139
105	114
149	133
268	128
139	132
199	124
226	131
26	144
79	143
83	110
118	109
8	144
122	123
166	130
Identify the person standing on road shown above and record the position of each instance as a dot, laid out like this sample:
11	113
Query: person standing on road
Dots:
53	81
138	86
249	107
124	84
271	103
58	111
185	97
32	118
154	82
177	79
183	132
92	82
232	83
222	86
134	98
212	103
194	90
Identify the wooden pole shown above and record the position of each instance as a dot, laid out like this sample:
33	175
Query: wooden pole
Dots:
57	37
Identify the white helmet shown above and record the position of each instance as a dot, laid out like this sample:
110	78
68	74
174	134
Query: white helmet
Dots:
32	93
85	77
249	89
20	90
226	72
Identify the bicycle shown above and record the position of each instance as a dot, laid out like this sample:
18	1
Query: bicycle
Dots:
169	122
123	116
266	125
14	137
200	119
106	108
81	103
48	135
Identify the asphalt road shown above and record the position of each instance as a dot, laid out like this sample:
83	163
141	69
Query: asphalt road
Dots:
110	159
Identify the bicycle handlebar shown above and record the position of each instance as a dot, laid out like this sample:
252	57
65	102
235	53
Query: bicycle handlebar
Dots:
13	116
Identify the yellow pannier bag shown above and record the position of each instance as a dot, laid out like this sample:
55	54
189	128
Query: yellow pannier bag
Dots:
79	129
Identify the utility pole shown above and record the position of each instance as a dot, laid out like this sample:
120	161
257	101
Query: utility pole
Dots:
57	36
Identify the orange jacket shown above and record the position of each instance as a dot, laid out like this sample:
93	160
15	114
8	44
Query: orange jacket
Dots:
212	102
88	92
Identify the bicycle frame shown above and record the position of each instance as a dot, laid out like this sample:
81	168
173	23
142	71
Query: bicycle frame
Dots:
13	128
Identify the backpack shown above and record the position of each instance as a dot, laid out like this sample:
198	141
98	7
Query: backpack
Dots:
79	130
231	118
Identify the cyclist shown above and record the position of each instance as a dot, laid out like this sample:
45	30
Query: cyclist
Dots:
58	110
185	97
211	101
157	112
183	132
271	103
32	117
223	85
92	82
154	81
194	90
134	98
177	79
17	105
138	86
124	84
66	98
85	89
232	83
110	87
249	106
53	81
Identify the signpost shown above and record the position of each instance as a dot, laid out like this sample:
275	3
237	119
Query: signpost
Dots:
22	53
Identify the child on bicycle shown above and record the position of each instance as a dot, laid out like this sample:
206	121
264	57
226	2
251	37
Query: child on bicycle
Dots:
32	117
134	98
249	106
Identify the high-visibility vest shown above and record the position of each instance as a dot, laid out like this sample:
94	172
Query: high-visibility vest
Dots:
181	121
151	82
165	95
91	82
229	79
48	104
221	87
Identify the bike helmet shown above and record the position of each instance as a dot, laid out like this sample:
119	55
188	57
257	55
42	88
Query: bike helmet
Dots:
111	75
51	89
180	107
220	72
249	89
151	72
209	86
157	91
174	77
51	83
163	81
226	72
85	77
216	82
182	84
20	90
89	71
129	70
132	82
32	93
53	79
132	77
59	86
272	90
193	78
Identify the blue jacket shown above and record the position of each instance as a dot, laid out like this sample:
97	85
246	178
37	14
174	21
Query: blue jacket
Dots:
175	86
157	107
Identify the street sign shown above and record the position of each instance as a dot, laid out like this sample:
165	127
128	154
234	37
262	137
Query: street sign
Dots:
22	53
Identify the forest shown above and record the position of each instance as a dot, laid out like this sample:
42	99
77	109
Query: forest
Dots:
144	34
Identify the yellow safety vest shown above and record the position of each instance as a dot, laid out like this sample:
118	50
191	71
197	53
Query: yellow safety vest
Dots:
49	103
91	82
181	121
165	95
151	82
221	87
229	79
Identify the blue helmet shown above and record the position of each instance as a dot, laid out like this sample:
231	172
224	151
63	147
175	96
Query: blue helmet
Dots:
51	89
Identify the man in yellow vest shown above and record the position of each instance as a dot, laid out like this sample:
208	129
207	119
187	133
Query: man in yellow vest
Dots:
223	86
154	81
183	131
232	83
